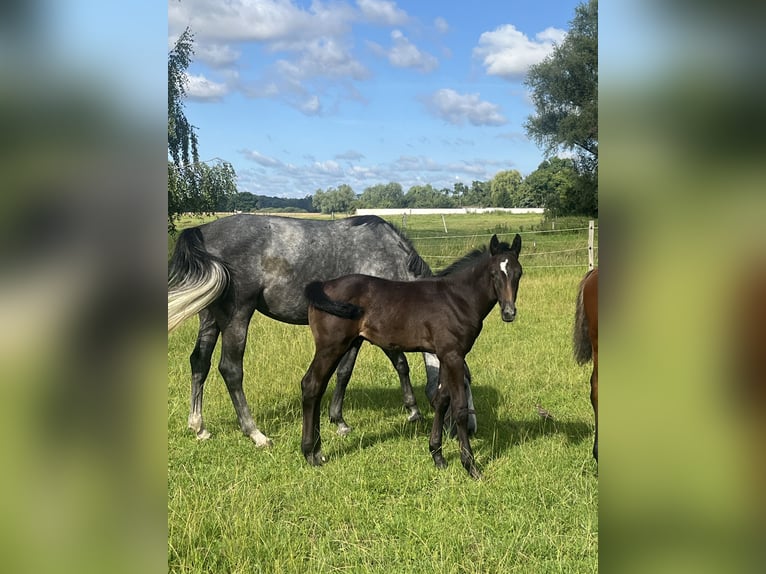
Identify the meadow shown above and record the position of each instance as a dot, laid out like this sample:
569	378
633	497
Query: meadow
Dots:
379	504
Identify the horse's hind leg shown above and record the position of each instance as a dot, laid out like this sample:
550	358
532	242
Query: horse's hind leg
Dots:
313	386
399	361
345	368
234	338
200	367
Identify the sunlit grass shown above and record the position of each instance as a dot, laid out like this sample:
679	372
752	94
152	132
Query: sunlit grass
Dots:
379	504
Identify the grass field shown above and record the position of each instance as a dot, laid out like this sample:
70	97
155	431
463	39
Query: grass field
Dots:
379	504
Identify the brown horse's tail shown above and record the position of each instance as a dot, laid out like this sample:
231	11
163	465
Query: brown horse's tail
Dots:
583	351
318	299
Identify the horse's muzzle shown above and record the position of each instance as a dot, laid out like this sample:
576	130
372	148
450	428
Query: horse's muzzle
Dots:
508	314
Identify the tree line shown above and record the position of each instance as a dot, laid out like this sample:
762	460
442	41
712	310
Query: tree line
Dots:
555	185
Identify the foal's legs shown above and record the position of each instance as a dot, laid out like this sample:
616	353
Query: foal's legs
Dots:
200	367
345	368
451	380
234	338
399	361
432	375
313	386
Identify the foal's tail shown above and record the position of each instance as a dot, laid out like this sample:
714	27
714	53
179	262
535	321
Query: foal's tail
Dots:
195	278
583	351
318	299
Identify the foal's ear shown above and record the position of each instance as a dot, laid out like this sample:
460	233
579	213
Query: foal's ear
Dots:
494	245
516	245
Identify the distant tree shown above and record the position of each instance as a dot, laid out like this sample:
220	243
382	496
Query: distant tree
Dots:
460	192
504	188
550	186
478	195
340	200
389	195
425	196
193	186
564	90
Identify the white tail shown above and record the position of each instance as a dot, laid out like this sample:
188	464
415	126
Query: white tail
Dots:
190	297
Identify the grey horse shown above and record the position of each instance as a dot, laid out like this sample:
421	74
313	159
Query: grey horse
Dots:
227	269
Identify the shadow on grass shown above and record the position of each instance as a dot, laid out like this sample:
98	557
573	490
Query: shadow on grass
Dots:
386	401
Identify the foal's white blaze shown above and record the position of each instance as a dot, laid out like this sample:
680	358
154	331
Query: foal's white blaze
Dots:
504	267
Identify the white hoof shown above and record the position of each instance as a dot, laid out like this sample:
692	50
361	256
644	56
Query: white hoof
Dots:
204	434
260	439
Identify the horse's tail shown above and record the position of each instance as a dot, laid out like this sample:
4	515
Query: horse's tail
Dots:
318	299
583	351
195	278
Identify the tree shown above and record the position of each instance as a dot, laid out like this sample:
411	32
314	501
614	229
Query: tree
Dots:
333	200
564	90
389	195
550	186
193	186
478	194
504	188
425	196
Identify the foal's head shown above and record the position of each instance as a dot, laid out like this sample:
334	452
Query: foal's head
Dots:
505	270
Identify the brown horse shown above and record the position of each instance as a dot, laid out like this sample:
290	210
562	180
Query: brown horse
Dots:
441	315
586	337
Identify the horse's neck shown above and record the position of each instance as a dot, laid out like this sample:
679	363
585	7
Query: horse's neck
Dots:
476	281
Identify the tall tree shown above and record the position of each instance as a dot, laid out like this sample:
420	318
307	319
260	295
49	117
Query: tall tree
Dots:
193	186
564	90
382	196
504	188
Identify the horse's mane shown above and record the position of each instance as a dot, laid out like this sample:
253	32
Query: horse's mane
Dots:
415	262
470	259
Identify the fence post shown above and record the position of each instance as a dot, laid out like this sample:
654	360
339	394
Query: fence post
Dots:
590	244
445	225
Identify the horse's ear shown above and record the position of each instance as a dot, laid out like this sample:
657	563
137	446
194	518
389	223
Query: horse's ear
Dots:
494	245
516	245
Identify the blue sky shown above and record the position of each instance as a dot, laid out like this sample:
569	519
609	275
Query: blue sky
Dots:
301	96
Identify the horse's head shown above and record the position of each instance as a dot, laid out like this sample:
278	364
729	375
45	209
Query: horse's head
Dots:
506	273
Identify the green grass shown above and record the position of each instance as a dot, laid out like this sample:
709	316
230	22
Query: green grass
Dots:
379	504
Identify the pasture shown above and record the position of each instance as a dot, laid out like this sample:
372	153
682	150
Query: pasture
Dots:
379	504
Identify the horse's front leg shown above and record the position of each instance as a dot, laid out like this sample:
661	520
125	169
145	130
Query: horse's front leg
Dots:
454	365
440	404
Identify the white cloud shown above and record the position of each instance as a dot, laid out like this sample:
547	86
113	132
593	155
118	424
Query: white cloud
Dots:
405	54
258	20
201	89
441	25
261	159
216	55
382	12
509	53
458	108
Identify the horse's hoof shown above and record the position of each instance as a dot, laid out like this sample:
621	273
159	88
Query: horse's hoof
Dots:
316	459
414	416
474	473
261	440
343	429
204	434
440	462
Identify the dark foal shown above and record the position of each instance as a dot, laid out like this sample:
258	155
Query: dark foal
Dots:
586	337
441	315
